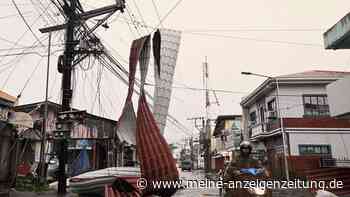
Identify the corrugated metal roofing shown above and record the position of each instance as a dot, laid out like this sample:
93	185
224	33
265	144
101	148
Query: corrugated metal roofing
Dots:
7	97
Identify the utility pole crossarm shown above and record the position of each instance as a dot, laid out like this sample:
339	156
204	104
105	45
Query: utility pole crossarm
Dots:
87	15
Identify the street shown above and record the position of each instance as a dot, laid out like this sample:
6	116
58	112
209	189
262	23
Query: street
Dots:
212	191
195	175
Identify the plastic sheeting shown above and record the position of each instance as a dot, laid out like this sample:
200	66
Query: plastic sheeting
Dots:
165	50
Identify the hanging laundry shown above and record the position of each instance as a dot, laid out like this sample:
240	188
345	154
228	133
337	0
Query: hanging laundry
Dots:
165	50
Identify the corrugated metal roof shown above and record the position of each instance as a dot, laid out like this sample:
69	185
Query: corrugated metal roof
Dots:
7	97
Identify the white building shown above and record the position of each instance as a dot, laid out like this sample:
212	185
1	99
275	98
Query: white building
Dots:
226	139
339	105
304	107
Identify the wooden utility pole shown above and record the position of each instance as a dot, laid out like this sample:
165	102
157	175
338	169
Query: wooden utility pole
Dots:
75	18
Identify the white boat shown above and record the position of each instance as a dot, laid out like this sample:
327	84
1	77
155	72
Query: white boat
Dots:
93	183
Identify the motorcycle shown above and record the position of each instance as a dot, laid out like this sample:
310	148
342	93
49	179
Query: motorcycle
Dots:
323	193
250	174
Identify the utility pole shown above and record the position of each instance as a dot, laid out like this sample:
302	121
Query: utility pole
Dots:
192	152
67	93
75	19
199	123
207	144
44	125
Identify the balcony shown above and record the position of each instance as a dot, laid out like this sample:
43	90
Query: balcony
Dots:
306	122
257	129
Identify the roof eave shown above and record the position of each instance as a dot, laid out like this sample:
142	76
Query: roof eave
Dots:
290	80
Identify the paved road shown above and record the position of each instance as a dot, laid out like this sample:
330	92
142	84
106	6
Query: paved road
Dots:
195	191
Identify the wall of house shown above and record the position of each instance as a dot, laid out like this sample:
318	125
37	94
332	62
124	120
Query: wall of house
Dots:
340	143
290	102
292	106
339	105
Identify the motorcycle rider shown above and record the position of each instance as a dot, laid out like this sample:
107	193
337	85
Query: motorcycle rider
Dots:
232	171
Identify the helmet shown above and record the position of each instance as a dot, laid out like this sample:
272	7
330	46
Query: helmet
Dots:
245	144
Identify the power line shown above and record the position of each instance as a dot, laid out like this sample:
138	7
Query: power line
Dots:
29	53
132	19
169	12
254	29
17	41
202	89
256	39
118	75
139	12
30	77
157	12
26	47
8	41
26	23
22	4
14	15
236	37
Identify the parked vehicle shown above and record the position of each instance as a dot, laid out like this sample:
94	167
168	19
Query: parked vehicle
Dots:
52	169
93	183
186	165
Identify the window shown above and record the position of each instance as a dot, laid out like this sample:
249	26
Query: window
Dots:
262	114
252	116
316	105
271	105
311	149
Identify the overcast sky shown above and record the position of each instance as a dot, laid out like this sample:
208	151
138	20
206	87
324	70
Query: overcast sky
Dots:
270	37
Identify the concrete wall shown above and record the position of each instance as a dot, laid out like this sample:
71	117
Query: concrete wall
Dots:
290	102
340	142
339	105
291	99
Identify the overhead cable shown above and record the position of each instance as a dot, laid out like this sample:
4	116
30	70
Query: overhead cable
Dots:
26	23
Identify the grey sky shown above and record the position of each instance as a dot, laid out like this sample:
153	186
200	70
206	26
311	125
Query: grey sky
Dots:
254	43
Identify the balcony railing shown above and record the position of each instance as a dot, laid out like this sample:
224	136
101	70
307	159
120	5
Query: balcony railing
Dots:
332	162
273	125
264	127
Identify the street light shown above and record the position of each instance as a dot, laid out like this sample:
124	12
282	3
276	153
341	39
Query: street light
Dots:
279	115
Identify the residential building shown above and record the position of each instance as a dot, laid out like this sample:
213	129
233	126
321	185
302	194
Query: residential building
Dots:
339	97
97	135
7	142
304	109
6	103
226	138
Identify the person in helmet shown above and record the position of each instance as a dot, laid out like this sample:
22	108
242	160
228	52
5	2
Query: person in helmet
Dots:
232	171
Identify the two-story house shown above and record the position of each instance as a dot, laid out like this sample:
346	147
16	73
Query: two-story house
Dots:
226	137
304	109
